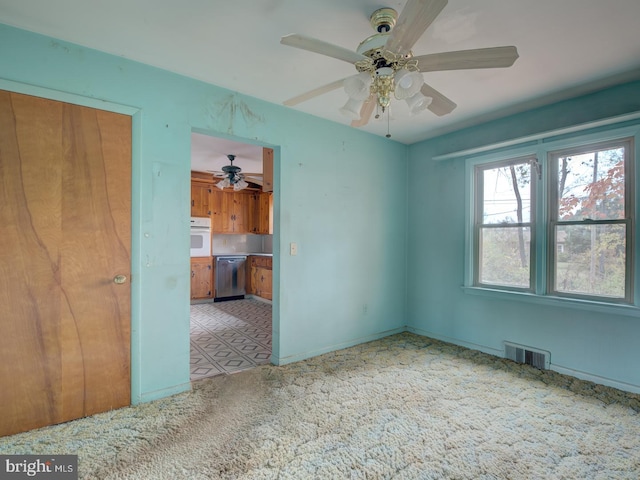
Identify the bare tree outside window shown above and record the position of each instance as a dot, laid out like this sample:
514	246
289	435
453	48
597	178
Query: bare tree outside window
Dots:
504	225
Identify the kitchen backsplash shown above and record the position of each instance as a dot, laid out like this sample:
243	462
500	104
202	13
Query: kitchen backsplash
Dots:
227	244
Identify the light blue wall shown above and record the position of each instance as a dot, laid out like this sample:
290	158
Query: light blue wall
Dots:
598	346
350	281
347	283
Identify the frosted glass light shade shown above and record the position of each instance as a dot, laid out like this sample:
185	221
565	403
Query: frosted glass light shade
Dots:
357	86
407	83
240	185
418	103
224	183
352	108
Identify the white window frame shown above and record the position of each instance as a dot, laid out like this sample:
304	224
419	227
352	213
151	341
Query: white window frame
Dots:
541	147
627	221
479	225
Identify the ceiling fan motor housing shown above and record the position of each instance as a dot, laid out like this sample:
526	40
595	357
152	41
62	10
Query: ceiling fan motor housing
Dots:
383	19
232	170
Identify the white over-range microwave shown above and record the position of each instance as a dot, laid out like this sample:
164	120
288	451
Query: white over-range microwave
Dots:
200	237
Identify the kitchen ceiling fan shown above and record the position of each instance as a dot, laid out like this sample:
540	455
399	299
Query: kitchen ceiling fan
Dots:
232	177
387	67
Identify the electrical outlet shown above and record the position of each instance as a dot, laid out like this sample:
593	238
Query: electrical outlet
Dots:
293	248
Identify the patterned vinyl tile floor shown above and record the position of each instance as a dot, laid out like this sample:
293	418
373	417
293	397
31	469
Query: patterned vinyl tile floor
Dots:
227	337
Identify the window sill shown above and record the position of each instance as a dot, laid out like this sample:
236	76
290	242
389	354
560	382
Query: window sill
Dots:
594	306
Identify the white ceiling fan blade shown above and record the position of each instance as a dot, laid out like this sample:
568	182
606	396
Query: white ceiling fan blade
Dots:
365	112
414	19
318	46
496	57
440	105
314	93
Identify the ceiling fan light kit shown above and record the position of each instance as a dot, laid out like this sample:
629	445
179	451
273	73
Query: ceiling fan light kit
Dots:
387	67
418	102
352	108
357	87
407	83
232	176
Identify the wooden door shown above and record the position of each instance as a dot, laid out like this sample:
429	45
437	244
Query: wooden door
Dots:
65	215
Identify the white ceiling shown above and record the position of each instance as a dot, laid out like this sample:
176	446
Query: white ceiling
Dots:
210	154
563	46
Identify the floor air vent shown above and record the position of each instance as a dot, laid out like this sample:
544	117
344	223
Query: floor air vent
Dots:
527	355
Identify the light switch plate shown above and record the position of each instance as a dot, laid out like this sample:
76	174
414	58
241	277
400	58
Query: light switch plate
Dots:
293	248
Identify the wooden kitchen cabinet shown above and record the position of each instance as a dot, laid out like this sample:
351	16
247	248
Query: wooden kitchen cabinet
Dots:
267	169
201	196
265	213
231	212
201	278
260	276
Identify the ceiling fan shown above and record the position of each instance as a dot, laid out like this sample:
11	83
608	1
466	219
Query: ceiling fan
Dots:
387	66
232	177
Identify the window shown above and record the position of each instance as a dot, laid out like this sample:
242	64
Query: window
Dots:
503	226
590	217
557	222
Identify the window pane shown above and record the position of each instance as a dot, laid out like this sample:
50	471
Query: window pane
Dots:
507	197
591	185
591	259
505	256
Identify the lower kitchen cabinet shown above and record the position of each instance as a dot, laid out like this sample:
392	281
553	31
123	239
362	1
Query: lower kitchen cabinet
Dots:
201	278
260	278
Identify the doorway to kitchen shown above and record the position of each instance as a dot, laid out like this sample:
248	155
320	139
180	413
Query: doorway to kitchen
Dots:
231	189
228	337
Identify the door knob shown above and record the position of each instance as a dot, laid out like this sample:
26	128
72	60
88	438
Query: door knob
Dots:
119	279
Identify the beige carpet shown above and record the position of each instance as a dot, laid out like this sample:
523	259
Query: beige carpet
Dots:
403	407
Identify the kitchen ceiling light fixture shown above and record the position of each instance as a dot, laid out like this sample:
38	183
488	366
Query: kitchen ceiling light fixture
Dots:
232	176
387	67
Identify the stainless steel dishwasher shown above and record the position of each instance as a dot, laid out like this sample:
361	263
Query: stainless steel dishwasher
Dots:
230	277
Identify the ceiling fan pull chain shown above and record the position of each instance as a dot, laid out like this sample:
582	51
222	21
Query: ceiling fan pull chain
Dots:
388	135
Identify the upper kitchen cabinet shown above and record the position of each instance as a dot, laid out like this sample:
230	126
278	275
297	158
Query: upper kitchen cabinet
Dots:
267	169
231	212
200	199
264	225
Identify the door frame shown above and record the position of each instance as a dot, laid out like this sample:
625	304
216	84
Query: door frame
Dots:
276	331
135	114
